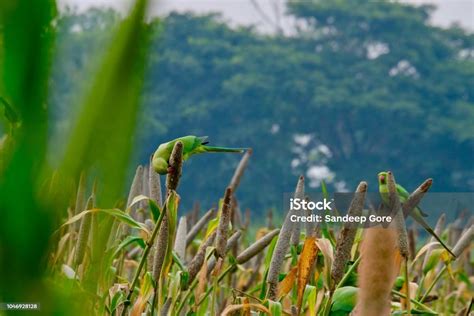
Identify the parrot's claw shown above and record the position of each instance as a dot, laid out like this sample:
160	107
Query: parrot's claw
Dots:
170	170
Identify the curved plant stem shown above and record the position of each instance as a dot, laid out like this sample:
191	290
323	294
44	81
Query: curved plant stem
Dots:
348	273
407	287
438	276
189	291
223	274
191	288
242	293
420	288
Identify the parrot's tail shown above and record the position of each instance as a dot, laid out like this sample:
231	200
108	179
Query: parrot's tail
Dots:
431	231
214	149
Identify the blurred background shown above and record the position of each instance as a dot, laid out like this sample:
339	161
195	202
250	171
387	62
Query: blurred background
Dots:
334	90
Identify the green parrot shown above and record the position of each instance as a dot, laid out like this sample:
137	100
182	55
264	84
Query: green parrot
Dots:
191	145
416	213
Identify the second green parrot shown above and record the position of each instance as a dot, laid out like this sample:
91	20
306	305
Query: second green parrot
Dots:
191	145
416	213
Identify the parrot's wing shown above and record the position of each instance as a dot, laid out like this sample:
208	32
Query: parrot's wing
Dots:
402	193
196	147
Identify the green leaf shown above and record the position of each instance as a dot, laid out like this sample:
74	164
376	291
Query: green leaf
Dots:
324	226
147	285
263	287
433	260
463	277
294	254
267	261
184	279
275	308
232	260
117	299
269	255
155	209
102	138
172	214
137	199
128	241
212	226
310	299
118	214
26	48
124	218
175	283
177	260
10	113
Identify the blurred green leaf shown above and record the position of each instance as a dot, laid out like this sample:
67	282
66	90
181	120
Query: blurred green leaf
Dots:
103	135
433	260
267	261
10	113
26	42
212	225
324	226
310	299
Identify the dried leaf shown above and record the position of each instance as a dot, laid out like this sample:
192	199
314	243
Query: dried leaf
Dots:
287	283
305	264
424	249
232	308
246	307
146	291
202	281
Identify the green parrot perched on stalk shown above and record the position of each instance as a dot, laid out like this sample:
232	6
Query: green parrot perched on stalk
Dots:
191	145
416	213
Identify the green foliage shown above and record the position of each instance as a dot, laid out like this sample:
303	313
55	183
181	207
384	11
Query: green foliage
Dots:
27	39
32	197
110	109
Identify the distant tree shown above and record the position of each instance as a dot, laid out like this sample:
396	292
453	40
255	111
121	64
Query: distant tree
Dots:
359	87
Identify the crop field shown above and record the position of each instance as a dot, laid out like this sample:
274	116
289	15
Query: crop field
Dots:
141	259
81	234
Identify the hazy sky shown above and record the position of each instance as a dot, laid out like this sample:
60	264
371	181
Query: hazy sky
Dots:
243	12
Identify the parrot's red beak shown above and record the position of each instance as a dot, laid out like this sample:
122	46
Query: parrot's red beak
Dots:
382	179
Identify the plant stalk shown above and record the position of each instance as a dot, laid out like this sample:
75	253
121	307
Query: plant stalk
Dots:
146	252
